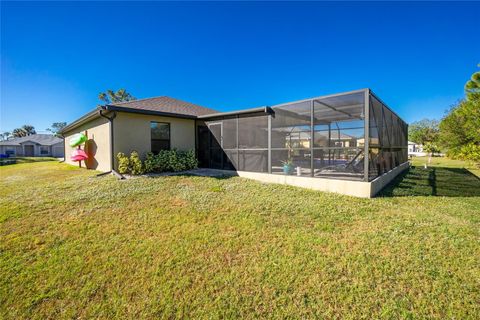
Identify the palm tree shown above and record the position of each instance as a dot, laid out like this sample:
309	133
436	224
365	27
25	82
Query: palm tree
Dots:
57	127
29	129
24	131
5	135
110	96
18	132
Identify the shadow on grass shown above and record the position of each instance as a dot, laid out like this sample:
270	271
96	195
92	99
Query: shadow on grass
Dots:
434	181
17	160
200	172
218	177
32	159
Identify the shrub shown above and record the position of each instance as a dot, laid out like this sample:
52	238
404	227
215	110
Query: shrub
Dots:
123	163
136	165
470	152
175	162
150	163
164	161
190	160
170	161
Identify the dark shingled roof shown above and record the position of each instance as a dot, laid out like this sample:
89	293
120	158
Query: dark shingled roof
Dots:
167	105
42	139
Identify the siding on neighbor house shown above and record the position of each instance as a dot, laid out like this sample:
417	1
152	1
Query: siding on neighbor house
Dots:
18	150
55	150
97	146
132	133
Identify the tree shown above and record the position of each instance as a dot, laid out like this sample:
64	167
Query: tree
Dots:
431	148
426	133
18	132
24	131
29	129
56	127
423	131
472	86
460	129
110	96
5	135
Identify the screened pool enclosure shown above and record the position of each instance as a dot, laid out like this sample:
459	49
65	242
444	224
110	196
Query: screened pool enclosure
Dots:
351	136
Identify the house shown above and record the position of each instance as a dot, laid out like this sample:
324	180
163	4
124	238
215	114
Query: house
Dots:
415	149
35	145
141	125
317	143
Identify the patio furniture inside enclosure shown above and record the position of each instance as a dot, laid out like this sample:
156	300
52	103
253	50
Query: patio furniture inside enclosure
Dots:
320	137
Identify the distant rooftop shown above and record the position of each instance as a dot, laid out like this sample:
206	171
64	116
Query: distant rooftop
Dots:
42	139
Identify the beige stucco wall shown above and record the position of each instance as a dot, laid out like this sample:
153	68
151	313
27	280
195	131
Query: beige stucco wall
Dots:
132	133
97	147
352	188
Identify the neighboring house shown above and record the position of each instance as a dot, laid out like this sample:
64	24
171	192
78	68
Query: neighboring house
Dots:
35	145
415	149
322	137
333	138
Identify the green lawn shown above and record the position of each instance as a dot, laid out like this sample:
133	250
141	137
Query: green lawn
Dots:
27	159
447	163
73	245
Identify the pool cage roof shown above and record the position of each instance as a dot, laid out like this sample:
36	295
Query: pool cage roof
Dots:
322	136
342	106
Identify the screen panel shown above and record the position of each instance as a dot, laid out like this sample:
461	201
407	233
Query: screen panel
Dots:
291	126
291	162
388	139
342	163
253	132
253	160
230	133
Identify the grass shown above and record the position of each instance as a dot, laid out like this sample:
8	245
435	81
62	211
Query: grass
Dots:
27	159
443	177
78	246
447	163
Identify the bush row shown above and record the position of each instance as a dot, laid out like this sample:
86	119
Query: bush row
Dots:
164	161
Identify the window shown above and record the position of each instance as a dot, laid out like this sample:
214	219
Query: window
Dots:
43	150
160	136
10	152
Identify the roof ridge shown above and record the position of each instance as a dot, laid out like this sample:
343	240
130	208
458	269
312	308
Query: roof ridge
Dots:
125	103
40	138
136	100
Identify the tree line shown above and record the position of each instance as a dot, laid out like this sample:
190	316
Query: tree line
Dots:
458	132
28	130
108	97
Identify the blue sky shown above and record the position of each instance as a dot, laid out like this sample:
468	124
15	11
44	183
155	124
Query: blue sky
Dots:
57	57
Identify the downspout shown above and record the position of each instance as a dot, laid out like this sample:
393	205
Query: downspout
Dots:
112	170
64	149
196	138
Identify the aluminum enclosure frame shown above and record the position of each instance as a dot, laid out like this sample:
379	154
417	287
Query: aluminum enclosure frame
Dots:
372	154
